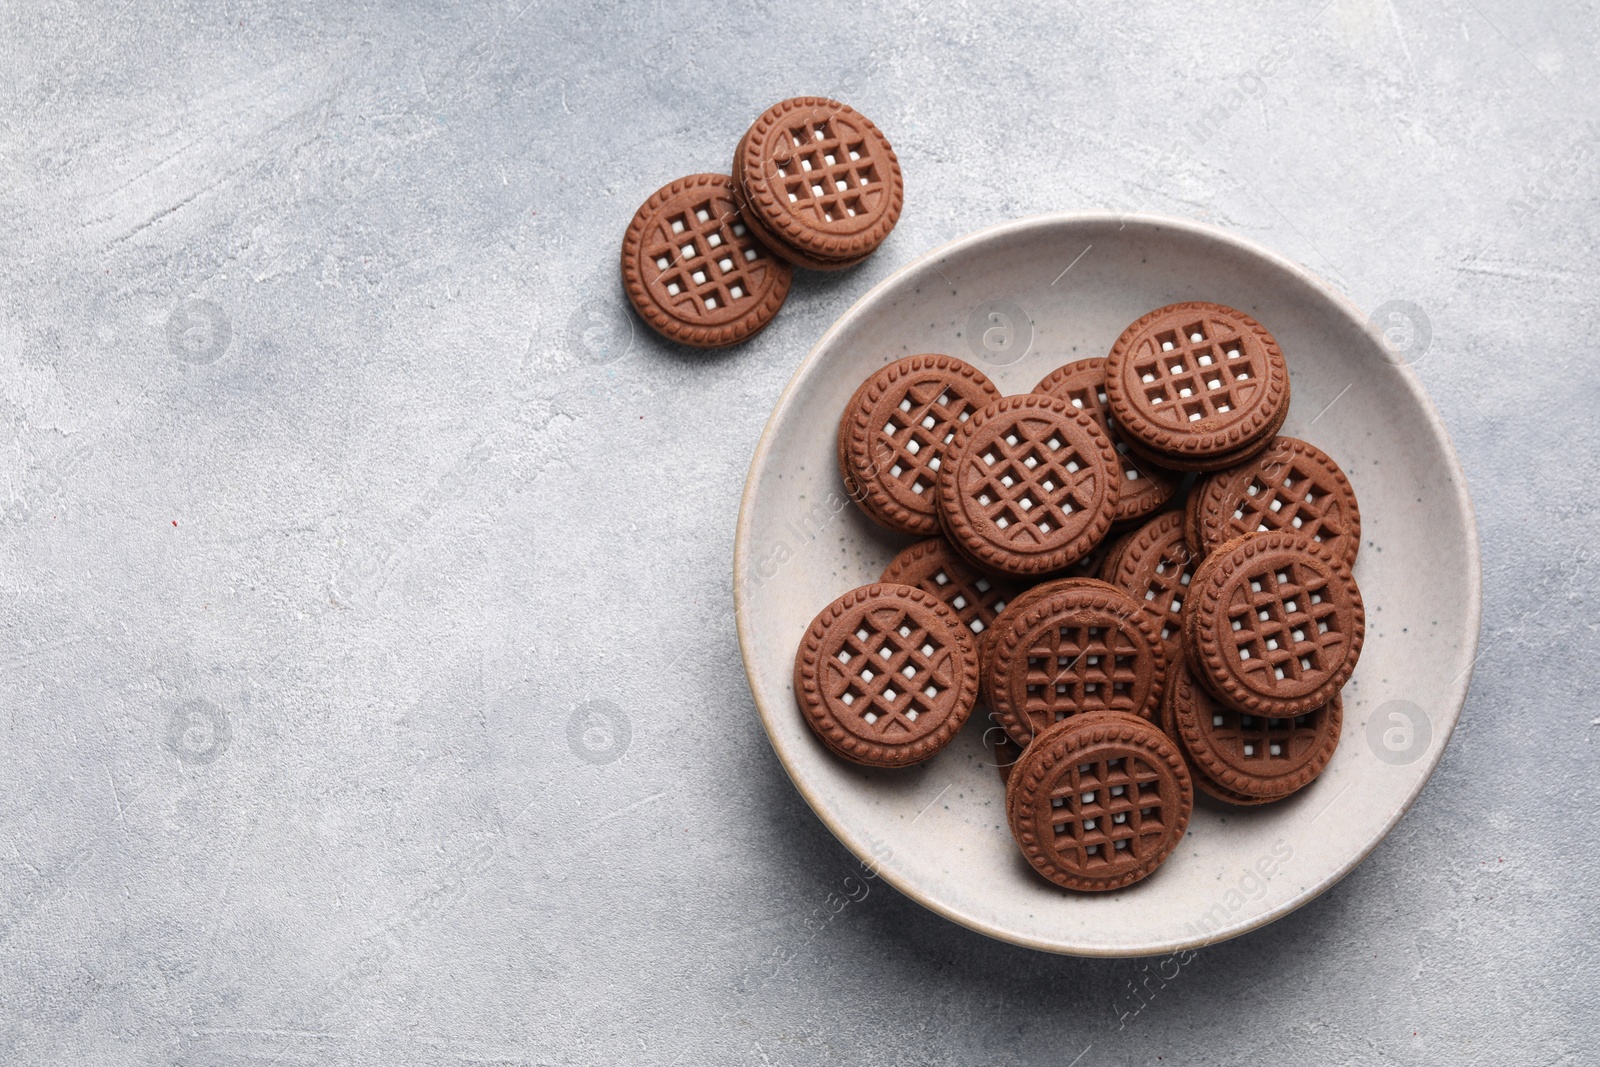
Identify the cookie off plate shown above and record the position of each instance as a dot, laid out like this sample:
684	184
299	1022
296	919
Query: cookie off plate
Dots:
1005	300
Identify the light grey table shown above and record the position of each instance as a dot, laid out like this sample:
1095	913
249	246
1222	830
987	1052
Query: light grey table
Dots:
337	481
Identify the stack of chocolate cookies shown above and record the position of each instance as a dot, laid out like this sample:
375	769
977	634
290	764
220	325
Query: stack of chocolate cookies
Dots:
708	259
1135	631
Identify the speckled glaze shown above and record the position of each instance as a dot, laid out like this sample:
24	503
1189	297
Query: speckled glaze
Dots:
801	542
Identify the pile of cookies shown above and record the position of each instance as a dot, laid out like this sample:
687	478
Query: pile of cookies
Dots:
1149	590
707	259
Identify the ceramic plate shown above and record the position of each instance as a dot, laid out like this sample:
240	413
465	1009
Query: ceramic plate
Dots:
1017	300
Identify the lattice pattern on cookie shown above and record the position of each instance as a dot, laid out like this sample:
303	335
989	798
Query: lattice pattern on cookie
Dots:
972	596
827	170
1093	401
1074	669
924	420
705	260
1083	397
1258	745
1107	813
1196	371
885	672
1029	488
1168	587
1285	624
1301	501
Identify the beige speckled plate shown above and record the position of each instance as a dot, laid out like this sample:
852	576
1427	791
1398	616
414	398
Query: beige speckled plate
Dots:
938	831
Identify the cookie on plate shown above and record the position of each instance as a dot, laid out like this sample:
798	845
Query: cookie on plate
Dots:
895	429
1252	756
1028	485
886	675
1099	802
1155	567
1197	386
1085	647
1273	624
1293	486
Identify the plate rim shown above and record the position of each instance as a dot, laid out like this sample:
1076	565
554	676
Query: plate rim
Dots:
997	231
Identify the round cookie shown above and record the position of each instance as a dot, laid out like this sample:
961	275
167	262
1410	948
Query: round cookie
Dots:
886	675
771	240
1028	485
1098	803
1019	604
1250	755
935	567
1195	385
1155	567
895	431
694	270
1081	649
1273	624
1292	485
1144	487
821	179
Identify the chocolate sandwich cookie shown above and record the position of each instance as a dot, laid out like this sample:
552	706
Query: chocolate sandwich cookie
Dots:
693	269
1144	487
1155	567
1028	485
1080	720
894	432
935	567
1196	386
1251	755
820	181
1099	803
1081	649
886	675
1292	486
1019	604
771	240
1273	624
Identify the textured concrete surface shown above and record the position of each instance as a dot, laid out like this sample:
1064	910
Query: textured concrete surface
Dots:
369	686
